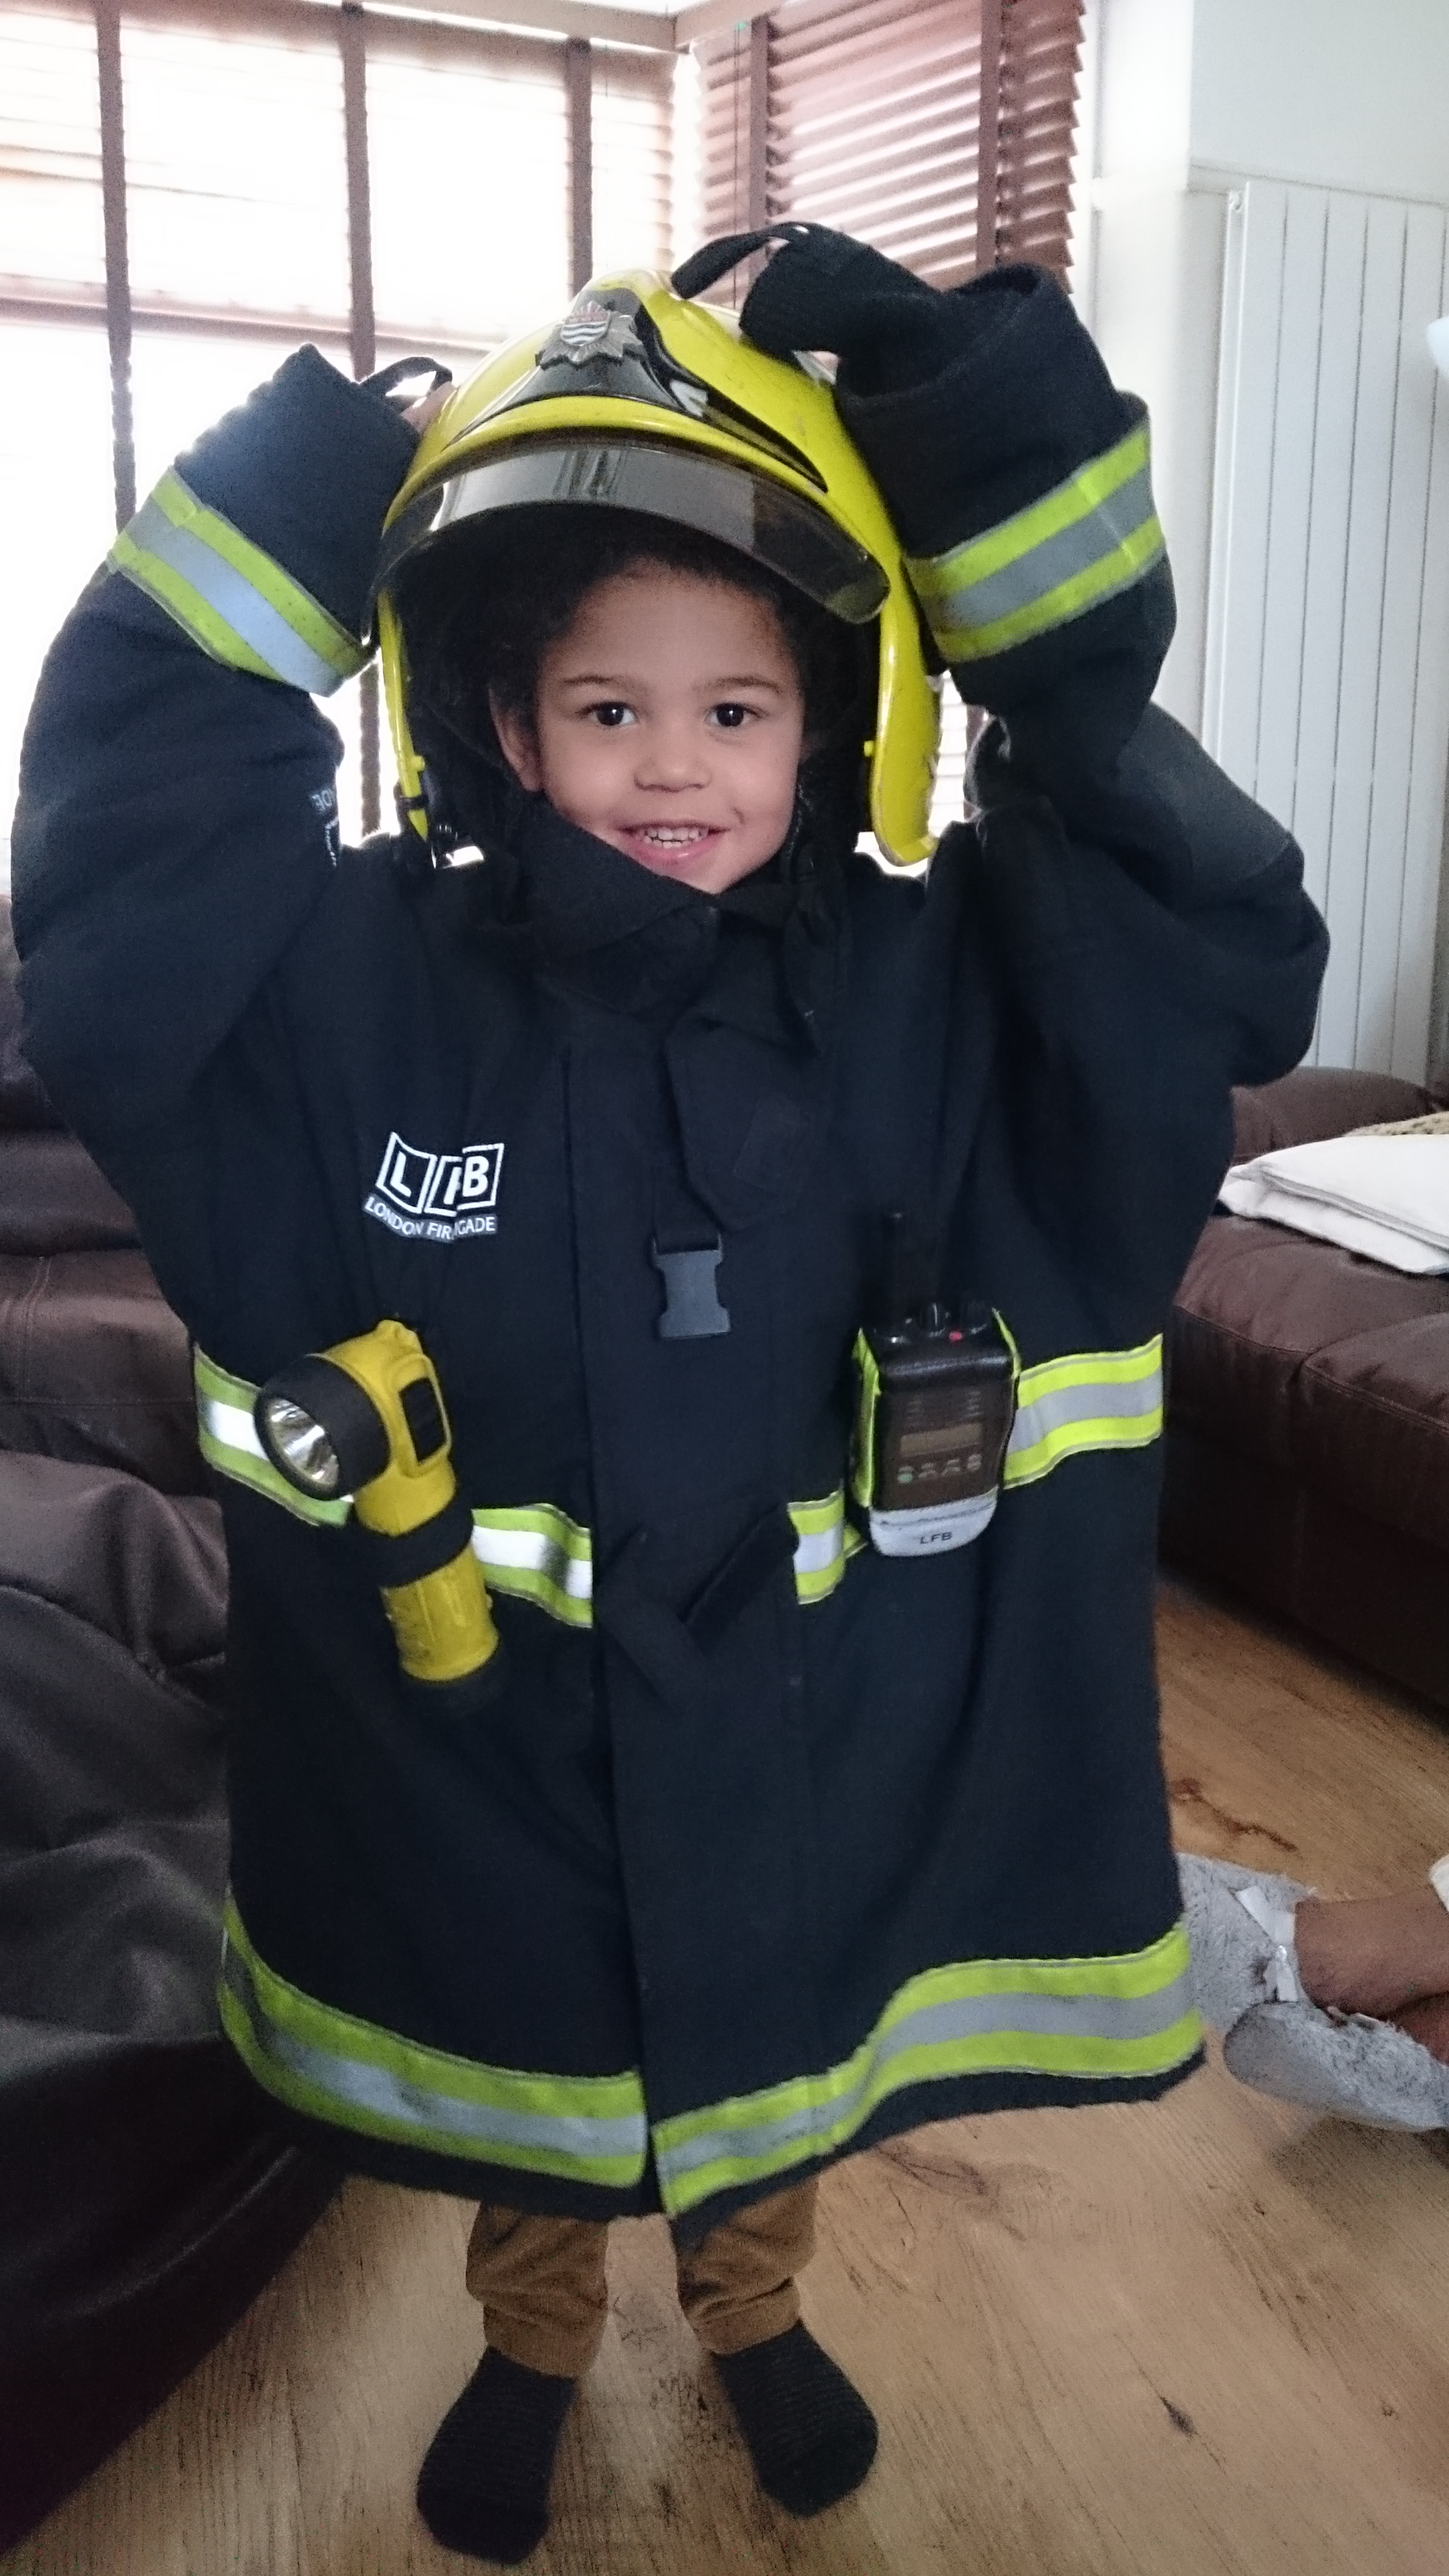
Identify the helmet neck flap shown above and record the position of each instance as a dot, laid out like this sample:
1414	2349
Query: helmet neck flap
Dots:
591	920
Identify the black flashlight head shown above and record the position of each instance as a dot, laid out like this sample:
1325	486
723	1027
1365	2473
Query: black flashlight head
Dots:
321	1430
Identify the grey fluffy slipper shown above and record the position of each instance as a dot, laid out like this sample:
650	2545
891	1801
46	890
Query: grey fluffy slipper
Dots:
1242	1953
1356	2068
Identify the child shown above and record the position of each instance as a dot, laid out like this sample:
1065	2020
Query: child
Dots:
791	1826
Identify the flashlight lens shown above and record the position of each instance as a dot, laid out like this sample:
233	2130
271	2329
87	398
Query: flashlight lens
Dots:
301	1448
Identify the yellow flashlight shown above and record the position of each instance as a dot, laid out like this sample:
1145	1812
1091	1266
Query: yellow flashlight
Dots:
366	1418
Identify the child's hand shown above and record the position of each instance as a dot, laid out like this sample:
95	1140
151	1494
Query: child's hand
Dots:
390	384
822	290
427	408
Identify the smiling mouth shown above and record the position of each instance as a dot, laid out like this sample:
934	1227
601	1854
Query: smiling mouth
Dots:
672	836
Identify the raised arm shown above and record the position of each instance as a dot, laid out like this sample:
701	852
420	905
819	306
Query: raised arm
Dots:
177	822
1152	938
1019	480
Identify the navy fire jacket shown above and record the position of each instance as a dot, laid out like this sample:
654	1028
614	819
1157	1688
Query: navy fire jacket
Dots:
772	1846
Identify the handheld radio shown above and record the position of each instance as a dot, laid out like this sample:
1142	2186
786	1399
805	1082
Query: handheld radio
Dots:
938	1399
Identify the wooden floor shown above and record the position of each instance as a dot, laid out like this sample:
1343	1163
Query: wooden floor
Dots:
1210	2338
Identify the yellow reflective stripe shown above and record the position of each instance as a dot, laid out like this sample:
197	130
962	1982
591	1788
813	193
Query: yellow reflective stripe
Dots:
230	598
825	1542
583	2128
862	1462
227	1437
1093	1400
1122	2018
1093	536
535	1552
532	1552
538	1555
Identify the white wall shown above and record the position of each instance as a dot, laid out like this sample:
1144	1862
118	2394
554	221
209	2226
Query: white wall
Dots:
1337	93
1189	98
1152	289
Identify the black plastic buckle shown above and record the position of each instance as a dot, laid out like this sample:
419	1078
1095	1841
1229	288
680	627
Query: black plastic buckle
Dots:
692	1310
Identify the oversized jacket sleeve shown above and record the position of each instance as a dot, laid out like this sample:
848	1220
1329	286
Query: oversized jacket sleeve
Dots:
1019	479
1152	939
177	822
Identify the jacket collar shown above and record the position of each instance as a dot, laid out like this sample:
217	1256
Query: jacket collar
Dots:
594	925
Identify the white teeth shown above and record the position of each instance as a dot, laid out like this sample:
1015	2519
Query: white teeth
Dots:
672	837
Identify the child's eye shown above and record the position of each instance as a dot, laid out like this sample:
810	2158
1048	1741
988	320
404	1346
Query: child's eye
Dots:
610	712
731	715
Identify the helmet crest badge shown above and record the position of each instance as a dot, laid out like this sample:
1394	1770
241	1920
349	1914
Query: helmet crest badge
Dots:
592	330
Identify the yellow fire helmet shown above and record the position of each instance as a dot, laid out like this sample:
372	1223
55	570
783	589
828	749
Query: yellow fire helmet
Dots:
642	400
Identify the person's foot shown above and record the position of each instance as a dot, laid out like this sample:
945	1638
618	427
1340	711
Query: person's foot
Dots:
1355	2066
1373	1954
1428	2023
1240	1931
810	2434
483	2486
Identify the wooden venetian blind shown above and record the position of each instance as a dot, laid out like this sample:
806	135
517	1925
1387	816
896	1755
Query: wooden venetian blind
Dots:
52	241
236	186
633	160
1036	115
468	156
939	130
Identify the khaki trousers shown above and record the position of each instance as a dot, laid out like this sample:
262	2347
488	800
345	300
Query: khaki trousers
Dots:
542	2286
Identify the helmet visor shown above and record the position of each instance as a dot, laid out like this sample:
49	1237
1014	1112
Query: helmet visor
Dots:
754	515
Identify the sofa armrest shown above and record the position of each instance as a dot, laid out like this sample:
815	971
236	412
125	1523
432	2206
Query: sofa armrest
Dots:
23	1102
54	1199
1320	1100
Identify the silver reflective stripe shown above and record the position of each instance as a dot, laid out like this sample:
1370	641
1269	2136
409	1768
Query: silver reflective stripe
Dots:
229	1425
820	1551
1064	2017
328	2082
824	1540
287	656
1057	559
1051	562
1139	1400
1092	1400
531	1553
504	1550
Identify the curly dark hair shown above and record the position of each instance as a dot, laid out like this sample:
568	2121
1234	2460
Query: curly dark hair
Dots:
480	610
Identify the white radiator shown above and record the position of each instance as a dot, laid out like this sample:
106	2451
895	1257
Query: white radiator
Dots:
1327	681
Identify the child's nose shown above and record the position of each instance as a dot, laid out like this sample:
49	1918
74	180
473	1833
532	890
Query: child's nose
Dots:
672	755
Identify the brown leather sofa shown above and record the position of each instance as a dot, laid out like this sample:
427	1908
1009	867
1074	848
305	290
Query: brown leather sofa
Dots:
145	2195
1307	1453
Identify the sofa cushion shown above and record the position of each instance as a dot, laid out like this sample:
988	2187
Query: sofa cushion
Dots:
148	2191
113	1833
1371	1425
1256	1305
95	1367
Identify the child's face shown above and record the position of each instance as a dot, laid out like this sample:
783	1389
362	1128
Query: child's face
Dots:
669	723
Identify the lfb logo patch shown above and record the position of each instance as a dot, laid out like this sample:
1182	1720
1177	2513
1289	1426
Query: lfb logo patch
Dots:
436	1198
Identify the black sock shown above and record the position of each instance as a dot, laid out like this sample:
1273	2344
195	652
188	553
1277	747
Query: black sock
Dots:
483	2487
811	2435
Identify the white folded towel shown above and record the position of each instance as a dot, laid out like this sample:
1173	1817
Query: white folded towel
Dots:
1384	1196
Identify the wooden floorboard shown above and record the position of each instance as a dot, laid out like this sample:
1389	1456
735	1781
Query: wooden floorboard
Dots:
1205	2338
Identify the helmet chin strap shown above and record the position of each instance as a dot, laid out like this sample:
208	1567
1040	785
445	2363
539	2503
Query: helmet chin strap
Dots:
795	858
704	268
